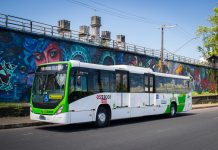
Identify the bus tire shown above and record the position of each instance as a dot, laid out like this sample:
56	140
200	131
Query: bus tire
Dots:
173	110
102	117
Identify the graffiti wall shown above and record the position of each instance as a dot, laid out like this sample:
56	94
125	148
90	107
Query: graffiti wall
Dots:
21	52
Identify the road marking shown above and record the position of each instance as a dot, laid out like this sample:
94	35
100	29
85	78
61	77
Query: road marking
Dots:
27	134
163	130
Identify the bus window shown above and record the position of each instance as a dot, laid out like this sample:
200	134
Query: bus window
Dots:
125	83
146	84
187	85
122	82
151	79
104	81
169	84
81	83
112	82
71	87
161	84
136	83
118	82
178	85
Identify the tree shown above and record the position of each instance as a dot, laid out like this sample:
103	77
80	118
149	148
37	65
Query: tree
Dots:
210	36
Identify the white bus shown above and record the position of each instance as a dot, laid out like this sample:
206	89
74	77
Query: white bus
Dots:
75	92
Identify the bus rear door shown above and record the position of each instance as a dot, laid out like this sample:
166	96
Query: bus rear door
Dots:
149	88
122	88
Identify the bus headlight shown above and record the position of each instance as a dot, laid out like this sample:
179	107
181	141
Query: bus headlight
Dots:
60	110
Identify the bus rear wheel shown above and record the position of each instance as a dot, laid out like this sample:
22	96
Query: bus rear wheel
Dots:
173	110
102	117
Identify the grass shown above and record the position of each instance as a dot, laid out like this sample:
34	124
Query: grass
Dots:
13	104
204	94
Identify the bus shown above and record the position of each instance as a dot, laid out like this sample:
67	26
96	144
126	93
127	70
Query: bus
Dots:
75	92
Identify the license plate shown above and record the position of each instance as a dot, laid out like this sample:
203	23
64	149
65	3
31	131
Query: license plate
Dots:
41	117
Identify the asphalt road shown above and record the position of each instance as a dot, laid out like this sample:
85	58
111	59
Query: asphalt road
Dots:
195	130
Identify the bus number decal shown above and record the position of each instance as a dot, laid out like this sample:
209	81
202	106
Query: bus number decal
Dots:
103	98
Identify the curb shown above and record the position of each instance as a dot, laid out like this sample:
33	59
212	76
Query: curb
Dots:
202	107
20	125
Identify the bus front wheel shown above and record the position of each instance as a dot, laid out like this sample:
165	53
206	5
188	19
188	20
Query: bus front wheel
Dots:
102	117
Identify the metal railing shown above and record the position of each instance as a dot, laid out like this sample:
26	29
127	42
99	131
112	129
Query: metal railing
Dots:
53	31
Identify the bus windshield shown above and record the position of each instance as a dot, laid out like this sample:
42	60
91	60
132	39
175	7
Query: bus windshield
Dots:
49	82
49	86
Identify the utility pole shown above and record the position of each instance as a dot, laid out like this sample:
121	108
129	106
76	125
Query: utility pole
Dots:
162	43
161	53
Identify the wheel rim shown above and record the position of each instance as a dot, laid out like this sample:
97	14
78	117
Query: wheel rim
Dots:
173	111
102	117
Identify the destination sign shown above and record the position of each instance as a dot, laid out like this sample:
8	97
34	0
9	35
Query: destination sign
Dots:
55	67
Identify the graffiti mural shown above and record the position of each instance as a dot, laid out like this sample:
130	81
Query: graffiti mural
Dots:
21	53
6	71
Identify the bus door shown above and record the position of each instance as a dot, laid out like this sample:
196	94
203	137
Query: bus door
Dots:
149	89
122	88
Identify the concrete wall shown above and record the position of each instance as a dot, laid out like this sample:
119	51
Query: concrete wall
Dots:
21	52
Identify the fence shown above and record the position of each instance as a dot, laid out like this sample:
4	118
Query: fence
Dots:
17	23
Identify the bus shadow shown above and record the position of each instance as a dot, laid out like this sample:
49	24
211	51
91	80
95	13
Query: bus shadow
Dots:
147	119
90	126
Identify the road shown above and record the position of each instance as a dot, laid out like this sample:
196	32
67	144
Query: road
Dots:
194	130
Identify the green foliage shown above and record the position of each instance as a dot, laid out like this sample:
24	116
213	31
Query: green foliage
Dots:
203	94
210	36
13	105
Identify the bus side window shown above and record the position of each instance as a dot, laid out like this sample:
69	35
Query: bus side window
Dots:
118	82
136	83
170	86
146	84
125	83
151	79
81	83
71	84
112	82
104	81
187	85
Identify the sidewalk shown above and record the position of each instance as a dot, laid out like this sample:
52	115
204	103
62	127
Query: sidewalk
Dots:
199	106
17	122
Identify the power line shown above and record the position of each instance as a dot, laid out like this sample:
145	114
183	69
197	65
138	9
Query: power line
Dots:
130	14
95	8
114	12
126	15
184	31
185	44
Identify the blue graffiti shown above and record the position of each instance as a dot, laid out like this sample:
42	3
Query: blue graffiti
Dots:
6	71
77	53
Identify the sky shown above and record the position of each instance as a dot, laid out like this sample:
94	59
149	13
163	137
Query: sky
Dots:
121	17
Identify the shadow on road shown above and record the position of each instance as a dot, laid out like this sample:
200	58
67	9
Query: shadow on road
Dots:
91	126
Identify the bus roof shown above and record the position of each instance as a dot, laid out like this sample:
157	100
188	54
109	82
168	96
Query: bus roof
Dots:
171	75
132	69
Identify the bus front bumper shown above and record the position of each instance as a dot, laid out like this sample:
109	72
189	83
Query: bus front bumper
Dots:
62	118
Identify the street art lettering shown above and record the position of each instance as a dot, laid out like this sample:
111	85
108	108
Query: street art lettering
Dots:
21	53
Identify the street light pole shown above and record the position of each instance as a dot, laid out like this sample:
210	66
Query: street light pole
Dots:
161	53
162	44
